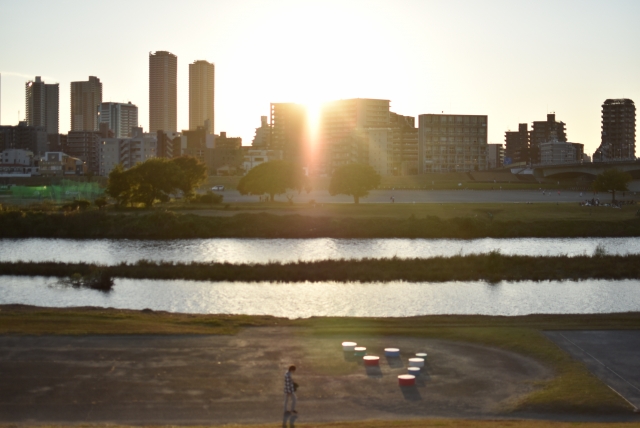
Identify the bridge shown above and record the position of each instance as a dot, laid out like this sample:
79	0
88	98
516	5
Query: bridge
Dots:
587	170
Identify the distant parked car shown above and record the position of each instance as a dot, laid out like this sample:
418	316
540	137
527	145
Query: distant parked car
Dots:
218	187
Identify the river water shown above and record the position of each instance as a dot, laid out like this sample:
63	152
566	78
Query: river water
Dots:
300	300
109	252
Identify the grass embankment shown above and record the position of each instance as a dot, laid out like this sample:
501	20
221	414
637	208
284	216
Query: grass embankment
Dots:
429	423
492	267
573	389
346	221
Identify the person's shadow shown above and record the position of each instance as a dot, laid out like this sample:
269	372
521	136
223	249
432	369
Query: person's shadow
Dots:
291	418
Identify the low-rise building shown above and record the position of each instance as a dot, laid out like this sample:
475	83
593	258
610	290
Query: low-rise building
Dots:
18	163
254	157
226	157
58	164
555	152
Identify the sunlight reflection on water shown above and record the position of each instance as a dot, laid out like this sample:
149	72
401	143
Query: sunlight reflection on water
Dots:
300	300
111	252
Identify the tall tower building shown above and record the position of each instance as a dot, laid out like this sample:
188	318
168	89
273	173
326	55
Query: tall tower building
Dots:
163	92
119	117
618	131
201	95
86	98
42	104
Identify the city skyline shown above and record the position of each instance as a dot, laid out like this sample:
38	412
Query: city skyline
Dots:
426	57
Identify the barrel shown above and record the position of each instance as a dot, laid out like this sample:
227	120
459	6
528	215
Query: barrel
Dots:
360	351
416	362
392	352
406	380
414	371
371	360
348	346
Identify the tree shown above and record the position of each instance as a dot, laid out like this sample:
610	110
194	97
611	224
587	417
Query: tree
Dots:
119	185
354	179
155	180
274	178
612	180
192	174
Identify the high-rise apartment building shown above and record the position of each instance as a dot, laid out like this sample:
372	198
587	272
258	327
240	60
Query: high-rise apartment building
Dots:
24	137
86	98
42	104
263	134
345	131
495	156
543	132
201	95
163	92
289	131
404	150
618	131
84	145
452	143
119	117
517	142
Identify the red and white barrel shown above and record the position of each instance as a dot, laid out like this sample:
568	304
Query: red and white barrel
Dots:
406	380
371	360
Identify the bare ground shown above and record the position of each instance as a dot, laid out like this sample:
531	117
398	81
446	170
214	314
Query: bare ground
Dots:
239	379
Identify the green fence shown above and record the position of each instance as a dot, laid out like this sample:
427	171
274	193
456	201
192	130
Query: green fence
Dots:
65	191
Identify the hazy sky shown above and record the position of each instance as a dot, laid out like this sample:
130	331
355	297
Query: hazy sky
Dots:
511	60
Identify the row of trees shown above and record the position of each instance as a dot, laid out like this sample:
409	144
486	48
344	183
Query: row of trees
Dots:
157	179
276	177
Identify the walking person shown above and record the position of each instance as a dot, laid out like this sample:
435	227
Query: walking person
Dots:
290	391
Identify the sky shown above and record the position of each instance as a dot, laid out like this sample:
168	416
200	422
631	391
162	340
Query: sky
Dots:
512	60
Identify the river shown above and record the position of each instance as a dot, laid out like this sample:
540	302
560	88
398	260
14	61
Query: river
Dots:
300	300
232	250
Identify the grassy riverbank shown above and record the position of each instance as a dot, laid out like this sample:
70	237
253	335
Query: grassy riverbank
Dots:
412	423
491	267
572	389
496	221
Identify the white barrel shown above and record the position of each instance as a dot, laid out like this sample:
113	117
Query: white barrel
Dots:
422	355
416	362
349	346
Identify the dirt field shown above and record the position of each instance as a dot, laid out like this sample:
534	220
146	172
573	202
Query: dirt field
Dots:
238	379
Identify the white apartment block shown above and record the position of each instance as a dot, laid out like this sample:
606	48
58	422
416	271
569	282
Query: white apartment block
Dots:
557	152
126	151
121	117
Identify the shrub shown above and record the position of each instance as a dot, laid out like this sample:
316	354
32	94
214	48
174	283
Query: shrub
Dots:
208	198
101	202
78	204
